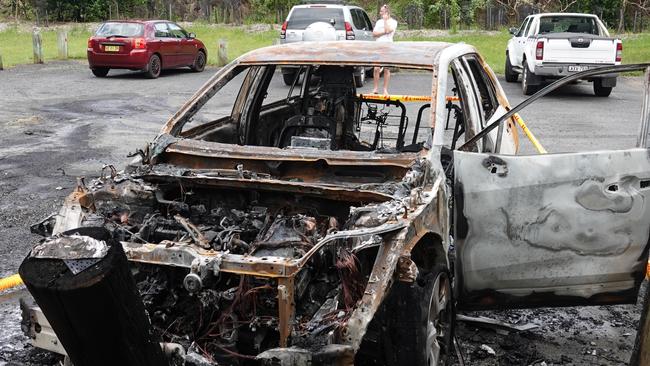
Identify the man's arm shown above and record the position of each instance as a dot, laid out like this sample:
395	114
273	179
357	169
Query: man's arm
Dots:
387	27
376	32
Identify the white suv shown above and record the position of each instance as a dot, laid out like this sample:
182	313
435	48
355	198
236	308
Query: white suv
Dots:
325	21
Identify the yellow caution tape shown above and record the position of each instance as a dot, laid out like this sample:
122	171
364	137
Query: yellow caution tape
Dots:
11	281
529	134
424	98
394	98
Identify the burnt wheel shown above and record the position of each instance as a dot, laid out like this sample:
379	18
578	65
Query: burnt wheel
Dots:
199	62
153	67
100	72
415	324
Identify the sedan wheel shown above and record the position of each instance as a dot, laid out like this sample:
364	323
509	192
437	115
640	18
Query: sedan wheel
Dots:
100	72
199	62
154	67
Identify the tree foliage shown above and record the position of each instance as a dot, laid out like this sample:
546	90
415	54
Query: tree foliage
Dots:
630	15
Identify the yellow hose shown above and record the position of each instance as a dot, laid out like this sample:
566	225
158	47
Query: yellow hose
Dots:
11	281
529	134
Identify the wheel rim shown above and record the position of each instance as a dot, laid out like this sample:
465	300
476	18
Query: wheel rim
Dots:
155	66
436	328
200	61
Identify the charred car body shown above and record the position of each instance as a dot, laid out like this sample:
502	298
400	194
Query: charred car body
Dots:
310	228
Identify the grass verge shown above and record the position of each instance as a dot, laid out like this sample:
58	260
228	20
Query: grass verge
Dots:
16	45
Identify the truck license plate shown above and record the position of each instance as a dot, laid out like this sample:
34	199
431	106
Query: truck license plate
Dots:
117	49
578	68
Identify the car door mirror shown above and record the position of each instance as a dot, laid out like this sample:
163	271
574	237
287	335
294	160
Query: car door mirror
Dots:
191	35
513	30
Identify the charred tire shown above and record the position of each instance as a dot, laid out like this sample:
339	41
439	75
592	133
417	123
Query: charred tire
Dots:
154	66
600	90
415	324
360	78
100	72
511	75
525	81
288	78
199	62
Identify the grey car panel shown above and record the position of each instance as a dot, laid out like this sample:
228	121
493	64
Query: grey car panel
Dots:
558	229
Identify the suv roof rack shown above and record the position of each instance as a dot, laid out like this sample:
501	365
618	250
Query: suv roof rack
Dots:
328	2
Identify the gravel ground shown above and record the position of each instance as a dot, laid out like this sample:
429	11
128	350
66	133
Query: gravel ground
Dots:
60	122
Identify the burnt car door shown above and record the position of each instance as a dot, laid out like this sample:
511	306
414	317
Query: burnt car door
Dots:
551	230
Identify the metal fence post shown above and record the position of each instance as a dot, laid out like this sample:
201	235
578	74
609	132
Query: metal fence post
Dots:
62	42
37	43
642	139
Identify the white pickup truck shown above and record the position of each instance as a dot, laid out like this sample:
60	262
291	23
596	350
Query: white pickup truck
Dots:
553	45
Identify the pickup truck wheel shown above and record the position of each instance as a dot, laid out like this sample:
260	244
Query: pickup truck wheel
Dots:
360	79
511	75
288	78
525	80
420	336
600	90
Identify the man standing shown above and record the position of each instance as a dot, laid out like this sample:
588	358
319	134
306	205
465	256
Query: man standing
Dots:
384	31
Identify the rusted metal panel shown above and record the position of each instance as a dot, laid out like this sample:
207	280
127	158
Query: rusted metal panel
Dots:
286	308
404	54
231	151
556	229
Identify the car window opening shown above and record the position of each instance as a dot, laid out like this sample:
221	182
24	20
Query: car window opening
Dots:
122	29
301	18
321	109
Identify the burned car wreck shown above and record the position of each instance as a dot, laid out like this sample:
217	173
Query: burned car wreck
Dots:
314	226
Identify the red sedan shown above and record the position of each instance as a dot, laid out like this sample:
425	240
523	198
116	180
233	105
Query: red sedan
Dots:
148	46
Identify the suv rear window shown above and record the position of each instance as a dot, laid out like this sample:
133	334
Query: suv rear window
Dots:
560	24
120	29
301	18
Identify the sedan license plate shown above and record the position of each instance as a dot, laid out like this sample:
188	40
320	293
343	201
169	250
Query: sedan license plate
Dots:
112	48
575	68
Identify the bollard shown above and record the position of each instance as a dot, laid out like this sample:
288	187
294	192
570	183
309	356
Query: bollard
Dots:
222	53
1	66
62	42
37	42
